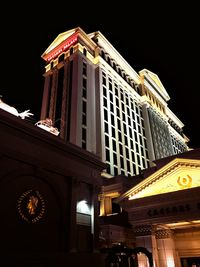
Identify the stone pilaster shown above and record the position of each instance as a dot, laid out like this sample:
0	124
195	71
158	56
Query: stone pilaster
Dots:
166	248
52	108
65	100
73	225
45	99
95	217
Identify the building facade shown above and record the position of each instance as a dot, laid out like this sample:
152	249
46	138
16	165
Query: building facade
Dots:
101	111
49	198
163	211
100	103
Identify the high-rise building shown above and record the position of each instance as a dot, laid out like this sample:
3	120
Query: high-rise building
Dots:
100	103
62	210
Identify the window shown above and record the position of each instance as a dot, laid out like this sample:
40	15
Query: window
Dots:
115	158
84	119
114	145
102	54
105	115
104	91
122	162
61	58
84	83
71	51
84	51
84	93
106	127
106	140
111	97
115	207
115	170
108	60
107	155
83	145
121	149
84	106
105	102
112	120
84	134
84	68
113	132
104	81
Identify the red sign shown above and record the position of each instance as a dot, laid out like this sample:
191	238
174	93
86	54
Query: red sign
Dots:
60	48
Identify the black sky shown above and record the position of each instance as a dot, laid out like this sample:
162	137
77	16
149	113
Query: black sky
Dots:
163	39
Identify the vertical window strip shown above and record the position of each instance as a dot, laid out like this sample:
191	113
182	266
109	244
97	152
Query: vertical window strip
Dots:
84	105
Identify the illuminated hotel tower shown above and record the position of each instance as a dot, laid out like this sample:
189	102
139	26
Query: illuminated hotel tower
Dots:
100	103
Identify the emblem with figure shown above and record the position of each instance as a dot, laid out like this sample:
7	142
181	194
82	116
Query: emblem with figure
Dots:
31	206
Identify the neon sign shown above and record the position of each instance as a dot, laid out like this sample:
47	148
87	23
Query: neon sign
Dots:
60	48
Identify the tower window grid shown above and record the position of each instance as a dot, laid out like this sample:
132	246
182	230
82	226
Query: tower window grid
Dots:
161	135
178	146
125	143
84	105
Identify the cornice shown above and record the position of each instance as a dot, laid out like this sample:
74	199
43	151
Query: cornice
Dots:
114	54
106	67
174	132
172	116
153	91
160	90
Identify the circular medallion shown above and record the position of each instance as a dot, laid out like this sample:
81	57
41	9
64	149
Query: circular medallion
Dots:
31	206
184	182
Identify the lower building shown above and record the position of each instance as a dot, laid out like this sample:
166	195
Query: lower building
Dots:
161	215
48	199
50	193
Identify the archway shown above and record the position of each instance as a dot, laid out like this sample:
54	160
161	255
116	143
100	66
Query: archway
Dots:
123	256
148	254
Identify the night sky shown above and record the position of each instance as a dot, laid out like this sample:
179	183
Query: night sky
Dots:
163	39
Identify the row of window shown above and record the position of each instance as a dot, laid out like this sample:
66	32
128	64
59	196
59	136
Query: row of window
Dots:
176	127
160	134
61	57
84	105
124	134
178	146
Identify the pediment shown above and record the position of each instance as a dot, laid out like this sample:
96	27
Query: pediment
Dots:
64	41
154	79
59	39
179	174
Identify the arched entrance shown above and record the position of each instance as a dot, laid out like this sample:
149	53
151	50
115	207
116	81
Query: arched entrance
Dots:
123	256
141	250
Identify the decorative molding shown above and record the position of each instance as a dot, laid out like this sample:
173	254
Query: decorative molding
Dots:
142	230
163	233
31	206
169	169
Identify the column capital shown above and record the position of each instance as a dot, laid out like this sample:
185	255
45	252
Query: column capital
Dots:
145	229
163	233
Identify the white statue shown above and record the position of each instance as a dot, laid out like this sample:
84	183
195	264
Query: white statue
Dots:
47	125
14	111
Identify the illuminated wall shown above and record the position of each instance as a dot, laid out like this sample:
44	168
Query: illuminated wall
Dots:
96	100
124	143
